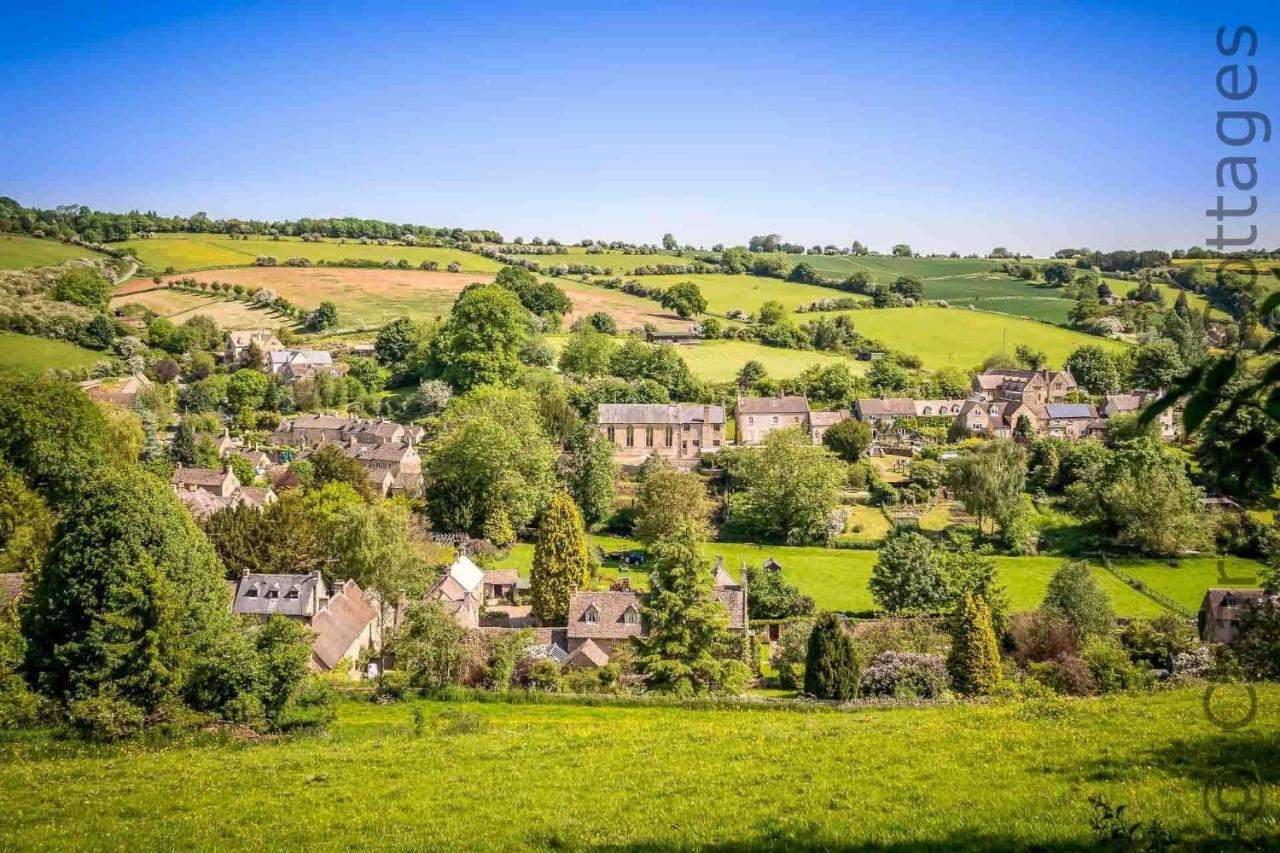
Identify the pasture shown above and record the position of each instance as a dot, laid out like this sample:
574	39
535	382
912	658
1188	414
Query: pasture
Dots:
18	252
187	252
620	263
959	776
28	354
837	579
961	337
720	361
179	307
725	292
367	298
885	268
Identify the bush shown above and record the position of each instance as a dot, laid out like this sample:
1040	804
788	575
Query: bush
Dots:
905	675
1111	668
105	717
1067	675
311	708
246	709
393	684
545	675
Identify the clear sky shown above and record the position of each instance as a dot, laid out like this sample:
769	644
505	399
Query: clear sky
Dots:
948	125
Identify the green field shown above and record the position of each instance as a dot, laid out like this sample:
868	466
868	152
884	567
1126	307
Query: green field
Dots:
186	252
1187	579
837	579
27	354
725	292
963	338
17	252
1001	776
885	268
720	361
620	263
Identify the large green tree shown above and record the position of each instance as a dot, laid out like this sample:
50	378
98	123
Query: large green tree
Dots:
848	439
687	649
988	481
907	576
684	298
1074	595
489	451
667	499
481	342
791	488
560	560
588	473
51	433
1095	369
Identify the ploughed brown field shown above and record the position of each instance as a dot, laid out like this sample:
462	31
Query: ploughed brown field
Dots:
372	297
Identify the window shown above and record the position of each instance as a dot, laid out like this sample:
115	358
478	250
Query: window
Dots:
631	436
273	593
648	436
715	442
716	427
591	614
751	420
670	436
609	432
293	594
251	592
775	419
630	616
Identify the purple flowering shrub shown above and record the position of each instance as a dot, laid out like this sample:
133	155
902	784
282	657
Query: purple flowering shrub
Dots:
905	675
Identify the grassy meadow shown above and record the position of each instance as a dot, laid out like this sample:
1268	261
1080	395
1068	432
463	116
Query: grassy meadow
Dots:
186	252
1000	776
18	252
957	336
725	292
28	354
837	578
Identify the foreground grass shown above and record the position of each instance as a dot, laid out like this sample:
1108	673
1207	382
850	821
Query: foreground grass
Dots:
17	252
28	354
500	776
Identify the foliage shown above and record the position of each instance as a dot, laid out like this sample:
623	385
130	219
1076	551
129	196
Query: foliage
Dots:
793	649
988	480
831	667
429	647
396	342
905	675
907	578
1074	595
1257	645
848	439
687	647
1157	642
587	352
83	286
791	488
490	450
588	473
1094	369
685	298
559	559
330	465
1111	668
773	598
51	433
540	297
480	343
974	659
667	499
26	525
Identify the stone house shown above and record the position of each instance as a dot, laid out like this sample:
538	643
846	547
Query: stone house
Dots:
1221	609
1033	387
998	418
820	422
756	417
674	431
461	591
500	584
883	414
1068	420
222	483
238	344
292	365
1132	402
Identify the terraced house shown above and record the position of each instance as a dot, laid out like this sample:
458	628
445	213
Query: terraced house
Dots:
679	432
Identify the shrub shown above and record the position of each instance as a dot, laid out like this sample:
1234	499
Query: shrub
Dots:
311	708
1041	636
1067	675
104	717
831	667
545	675
974	660
393	684
1111	668
905	675
246	709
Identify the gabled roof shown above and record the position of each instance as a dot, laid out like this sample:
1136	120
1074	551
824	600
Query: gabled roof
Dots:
252	594
826	419
466	574
773	405
722	577
659	413
896	406
1123	402
501	576
609	607
1216	600
339	623
588	654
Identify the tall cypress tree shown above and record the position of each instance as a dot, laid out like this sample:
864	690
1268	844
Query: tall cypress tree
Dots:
687	647
974	659
831	668
559	559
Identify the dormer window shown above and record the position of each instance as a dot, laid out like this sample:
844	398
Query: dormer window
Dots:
273	593
630	616
591	614
251	592
293	594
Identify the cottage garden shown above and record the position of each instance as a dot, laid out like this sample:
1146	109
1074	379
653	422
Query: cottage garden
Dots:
267	535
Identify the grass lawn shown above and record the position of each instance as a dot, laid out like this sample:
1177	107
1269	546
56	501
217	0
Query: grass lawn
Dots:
27	354
18	252
946	777
186	252
725	292
963	338
720	361
837	579
884	269
1187	579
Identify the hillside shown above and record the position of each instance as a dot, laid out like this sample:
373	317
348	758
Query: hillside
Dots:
951	777
27	354
18	252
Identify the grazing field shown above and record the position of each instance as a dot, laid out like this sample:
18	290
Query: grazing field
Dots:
960	337
837	579
885	268
1000	776
1050	309
368	297
720	361
725	292
619	262
18	252
27	354
185	252
1185	580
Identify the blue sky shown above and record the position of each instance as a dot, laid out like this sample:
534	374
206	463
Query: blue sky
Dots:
951	126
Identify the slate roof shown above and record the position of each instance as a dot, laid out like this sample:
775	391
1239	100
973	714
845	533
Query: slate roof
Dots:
1070	410
895	406
1124	402
826	419
722	577
609	609
339	623
198	477
773	405
735	602
505	577
658	413
310	589
588	654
